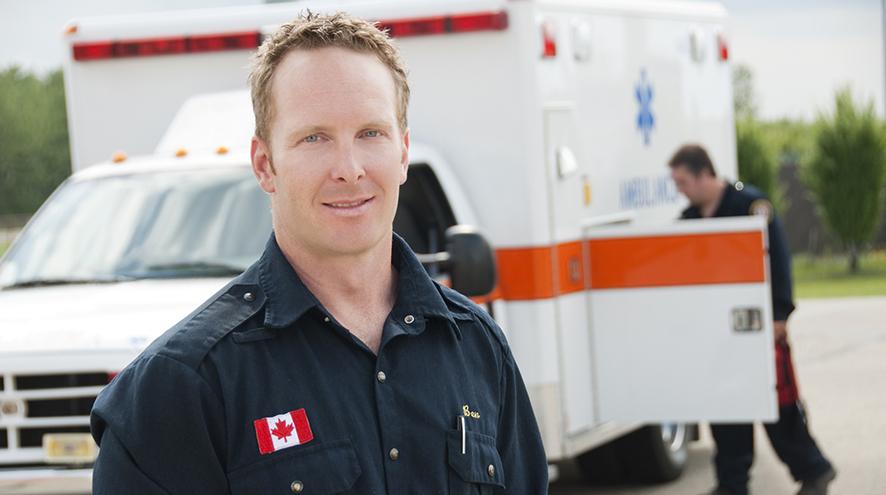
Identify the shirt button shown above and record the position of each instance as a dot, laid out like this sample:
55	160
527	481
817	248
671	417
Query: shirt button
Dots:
394	454
297	486
381	376
409	319
490	471
325	319
249	297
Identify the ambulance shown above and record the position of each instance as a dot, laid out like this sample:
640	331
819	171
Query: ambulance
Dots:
541	130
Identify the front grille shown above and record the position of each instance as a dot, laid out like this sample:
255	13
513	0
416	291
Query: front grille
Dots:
38	404
33	437
41	382
47	408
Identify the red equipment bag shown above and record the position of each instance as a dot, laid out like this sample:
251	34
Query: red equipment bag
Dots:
786	381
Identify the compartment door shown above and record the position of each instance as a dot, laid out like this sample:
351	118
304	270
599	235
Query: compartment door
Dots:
681	320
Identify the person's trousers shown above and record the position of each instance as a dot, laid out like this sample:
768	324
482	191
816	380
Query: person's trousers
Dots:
790	439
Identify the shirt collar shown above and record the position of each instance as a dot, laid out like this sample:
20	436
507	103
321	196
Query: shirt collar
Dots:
417	295
288	299
725	199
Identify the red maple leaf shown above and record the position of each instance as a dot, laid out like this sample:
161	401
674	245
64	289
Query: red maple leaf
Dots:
282	429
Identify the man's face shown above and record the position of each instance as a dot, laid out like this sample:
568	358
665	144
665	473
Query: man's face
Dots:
336	156
689	185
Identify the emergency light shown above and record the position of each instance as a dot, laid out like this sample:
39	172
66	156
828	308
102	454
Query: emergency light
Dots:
174	45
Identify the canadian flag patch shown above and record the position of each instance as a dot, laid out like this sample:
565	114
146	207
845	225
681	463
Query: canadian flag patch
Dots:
282	431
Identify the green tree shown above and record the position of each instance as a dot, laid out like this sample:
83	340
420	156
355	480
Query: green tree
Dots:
743	99
34	153
846	174
793	140
757	163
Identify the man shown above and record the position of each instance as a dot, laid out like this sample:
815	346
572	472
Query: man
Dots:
334	364
709	196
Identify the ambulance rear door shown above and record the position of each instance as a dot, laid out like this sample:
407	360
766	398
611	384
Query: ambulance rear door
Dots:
681	321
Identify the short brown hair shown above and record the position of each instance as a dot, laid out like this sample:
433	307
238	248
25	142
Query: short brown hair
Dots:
311	31
693	157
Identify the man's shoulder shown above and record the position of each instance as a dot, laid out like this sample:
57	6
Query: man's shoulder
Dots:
747	191
749	200
463	308
192	338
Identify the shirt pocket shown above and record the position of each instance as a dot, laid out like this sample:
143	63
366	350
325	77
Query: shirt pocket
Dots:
479	469
321	469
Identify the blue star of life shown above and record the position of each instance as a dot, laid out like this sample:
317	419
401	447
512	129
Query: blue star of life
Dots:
645	119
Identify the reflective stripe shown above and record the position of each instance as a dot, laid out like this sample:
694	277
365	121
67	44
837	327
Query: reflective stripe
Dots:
696	259
544	272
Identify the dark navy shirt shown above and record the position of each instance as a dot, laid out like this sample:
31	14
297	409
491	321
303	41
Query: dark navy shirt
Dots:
740	200
181	419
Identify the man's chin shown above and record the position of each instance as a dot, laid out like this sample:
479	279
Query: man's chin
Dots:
354	243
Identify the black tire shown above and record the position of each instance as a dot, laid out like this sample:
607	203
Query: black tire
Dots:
656	453
652	454
602	465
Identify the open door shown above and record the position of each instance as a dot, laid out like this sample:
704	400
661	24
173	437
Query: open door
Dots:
681	321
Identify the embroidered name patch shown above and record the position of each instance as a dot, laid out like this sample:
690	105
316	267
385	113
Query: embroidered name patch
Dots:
471	414
283	431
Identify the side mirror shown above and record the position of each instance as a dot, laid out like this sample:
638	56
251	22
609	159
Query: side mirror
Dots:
471	263
468	259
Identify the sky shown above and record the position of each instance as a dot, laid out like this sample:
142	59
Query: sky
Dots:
799	51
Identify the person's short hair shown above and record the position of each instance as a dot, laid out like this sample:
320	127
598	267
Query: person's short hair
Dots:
312	31
694	158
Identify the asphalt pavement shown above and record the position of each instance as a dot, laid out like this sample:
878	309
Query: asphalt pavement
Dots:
839	350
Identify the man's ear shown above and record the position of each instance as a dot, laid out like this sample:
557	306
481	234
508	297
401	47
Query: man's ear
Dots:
262	166
404	157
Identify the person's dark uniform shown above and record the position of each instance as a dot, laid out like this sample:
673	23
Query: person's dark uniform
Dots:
181	419
789	436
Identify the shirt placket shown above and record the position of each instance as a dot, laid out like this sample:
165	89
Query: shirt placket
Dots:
395	446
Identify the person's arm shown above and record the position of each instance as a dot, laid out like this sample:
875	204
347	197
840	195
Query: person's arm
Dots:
160	429
782	285
519	441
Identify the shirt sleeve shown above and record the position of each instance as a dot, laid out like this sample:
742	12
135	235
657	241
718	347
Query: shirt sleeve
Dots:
160	430
519	441
780	270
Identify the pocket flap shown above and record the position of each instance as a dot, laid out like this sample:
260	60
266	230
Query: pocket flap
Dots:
321	469
480	463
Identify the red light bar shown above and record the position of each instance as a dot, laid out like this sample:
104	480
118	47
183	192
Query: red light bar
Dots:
166	46
723	47
549	40
461	23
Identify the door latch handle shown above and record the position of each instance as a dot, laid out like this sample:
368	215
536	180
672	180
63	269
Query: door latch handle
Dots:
747	320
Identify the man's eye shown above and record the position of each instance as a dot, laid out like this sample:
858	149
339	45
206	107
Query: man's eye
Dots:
313	138
371	134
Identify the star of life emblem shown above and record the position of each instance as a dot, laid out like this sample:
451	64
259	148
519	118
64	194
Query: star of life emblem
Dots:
643	93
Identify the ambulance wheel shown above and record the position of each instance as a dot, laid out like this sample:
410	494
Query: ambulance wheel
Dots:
657	453
602	464
652	454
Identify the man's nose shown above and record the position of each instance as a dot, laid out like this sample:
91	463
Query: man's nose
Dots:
347	167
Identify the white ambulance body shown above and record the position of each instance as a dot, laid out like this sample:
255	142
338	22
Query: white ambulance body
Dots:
546	124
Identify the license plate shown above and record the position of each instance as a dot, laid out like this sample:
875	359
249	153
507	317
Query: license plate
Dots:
69	448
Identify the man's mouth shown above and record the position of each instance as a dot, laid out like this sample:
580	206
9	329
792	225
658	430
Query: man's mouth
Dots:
347	205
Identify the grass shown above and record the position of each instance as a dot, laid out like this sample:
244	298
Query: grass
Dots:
828	276
3	246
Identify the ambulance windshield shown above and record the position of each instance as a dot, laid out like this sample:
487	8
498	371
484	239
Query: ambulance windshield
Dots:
183	223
